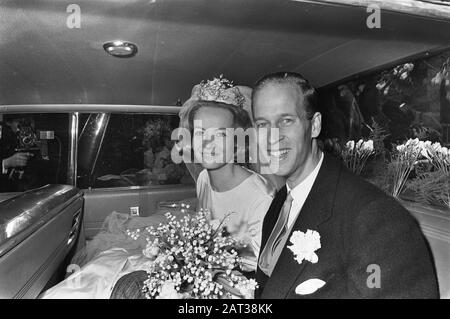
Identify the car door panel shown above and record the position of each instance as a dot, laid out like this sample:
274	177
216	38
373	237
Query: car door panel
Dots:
435	225
99	203
38	229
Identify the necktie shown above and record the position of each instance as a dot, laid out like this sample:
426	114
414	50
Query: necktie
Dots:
268	257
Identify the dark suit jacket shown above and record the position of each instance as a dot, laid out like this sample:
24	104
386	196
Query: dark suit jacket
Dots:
359	226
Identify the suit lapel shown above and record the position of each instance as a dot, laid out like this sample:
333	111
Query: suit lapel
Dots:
315	211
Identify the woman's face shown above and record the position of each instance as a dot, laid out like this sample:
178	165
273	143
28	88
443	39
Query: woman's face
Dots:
213	138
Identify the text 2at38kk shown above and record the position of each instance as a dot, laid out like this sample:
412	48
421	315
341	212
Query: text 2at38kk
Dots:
243	308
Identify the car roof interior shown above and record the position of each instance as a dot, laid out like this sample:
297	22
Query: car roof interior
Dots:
183	42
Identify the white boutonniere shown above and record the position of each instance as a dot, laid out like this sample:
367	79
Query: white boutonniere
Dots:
304	245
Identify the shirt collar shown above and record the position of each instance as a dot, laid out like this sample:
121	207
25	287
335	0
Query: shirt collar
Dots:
305	186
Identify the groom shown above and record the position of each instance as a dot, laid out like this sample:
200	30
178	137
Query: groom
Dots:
328	233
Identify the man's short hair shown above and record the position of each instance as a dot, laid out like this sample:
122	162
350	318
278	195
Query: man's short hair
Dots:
305	88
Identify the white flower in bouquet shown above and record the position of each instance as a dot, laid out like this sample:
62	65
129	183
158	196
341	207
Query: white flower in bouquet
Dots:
215	223
168	291
409	66
247	289
438	156
443	74
436	147
404	160
401	148
411	150
432	184
195	260
437	79
367	146
359	145
446	155
350	145
412	142
424	149
355	156
151	251
380	85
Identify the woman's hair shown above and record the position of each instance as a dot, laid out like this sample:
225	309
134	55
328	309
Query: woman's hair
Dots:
241	118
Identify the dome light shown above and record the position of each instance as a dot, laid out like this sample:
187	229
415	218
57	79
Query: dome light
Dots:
120	49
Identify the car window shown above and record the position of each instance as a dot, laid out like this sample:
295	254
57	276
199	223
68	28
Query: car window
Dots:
133	150
33	150
393	128
409	100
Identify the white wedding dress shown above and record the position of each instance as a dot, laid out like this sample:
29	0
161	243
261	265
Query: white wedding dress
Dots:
109	256
112	254
96	279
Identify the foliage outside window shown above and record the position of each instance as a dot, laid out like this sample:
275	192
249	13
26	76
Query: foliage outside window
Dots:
393	128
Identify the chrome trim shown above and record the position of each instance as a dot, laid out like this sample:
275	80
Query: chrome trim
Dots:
166	187
431	9
102	126
88	108
23	214
90	142
73	149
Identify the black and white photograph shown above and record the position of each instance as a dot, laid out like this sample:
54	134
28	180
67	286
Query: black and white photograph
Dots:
237	150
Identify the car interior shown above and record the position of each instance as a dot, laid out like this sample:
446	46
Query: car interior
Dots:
92	113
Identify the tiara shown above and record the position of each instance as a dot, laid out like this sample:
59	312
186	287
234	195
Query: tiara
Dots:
221	90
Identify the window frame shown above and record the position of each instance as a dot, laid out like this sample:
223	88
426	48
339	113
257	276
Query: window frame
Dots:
74	110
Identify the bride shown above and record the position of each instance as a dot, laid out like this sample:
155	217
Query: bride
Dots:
223	185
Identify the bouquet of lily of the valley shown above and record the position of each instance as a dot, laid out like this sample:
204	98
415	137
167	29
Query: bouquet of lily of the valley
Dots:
192	259
355	155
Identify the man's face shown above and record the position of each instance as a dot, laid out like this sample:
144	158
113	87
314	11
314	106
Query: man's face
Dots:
280	106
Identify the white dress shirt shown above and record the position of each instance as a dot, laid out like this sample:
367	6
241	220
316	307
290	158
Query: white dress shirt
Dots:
300	192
